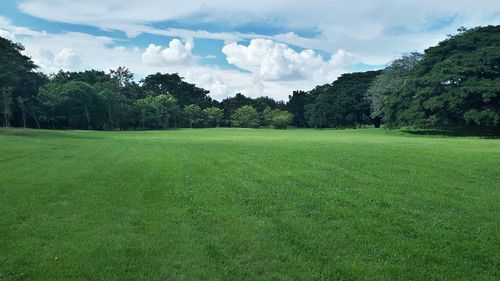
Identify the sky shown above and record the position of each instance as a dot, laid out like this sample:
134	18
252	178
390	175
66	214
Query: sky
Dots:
259	47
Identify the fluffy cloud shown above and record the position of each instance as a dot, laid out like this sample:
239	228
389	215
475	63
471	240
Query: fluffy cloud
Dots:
370	29
342	58
66	59
212	82
175	53
272	61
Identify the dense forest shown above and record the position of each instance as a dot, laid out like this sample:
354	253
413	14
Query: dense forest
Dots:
454	83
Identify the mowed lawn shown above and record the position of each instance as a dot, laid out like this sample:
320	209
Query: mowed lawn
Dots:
237	204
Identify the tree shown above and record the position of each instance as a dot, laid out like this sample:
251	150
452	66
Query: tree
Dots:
245	117
36	110
146	110
297	105
281	119
168	110
80	102
185	93
50	96
194	114
127	93
390	81
111	101
261	103
16	71
6	103
122	76
456	83
266	117
214	116
342	103
231	104
22	106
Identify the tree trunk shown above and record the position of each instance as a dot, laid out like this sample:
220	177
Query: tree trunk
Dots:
110	120
24	118
36	120
52	118
6	114
88	117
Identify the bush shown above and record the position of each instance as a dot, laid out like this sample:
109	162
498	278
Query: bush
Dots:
281	119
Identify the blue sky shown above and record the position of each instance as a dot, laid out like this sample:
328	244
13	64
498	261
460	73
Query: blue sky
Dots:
259	47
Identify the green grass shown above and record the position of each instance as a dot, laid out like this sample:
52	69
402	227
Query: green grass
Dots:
235	204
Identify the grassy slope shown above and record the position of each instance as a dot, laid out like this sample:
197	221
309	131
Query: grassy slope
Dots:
228	204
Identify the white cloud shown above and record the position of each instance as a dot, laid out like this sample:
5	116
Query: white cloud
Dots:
342	58
272	61
175	53
67	59
212	82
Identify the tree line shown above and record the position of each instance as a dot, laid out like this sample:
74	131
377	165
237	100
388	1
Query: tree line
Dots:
108	101
456	82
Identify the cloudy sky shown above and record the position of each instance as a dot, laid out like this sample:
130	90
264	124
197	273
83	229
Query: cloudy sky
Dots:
258	47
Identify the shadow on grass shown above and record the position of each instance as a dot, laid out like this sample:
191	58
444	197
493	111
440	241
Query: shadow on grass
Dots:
36	133
456	131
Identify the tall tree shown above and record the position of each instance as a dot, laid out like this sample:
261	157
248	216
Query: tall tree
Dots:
457	82
231	104
6	102
390	81
14	71
193	114
81	103
51	98
185	93
168	110
342	103
297	106
22	106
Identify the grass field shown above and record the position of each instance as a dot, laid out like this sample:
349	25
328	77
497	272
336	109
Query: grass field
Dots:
235	204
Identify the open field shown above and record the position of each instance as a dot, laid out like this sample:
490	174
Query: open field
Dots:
235	204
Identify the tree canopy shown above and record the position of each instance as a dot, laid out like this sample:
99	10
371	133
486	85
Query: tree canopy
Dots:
342	103
456	82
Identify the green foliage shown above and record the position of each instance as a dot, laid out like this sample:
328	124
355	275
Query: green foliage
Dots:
50	97
245	117
111	100
81	103
457	82
281	119
342	103
297	103
194	115
14	66
213	116
276	118
390	82
185	93
17	83
157	112
231	104
6	104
